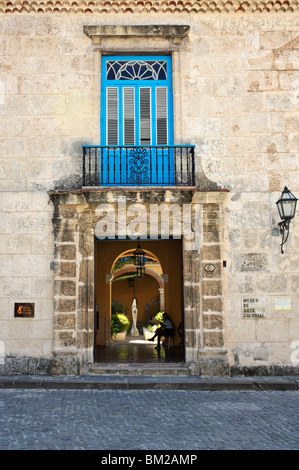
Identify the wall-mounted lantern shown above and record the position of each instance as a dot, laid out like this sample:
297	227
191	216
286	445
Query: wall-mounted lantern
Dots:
286	206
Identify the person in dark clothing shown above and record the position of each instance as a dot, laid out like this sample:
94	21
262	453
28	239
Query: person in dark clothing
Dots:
164	330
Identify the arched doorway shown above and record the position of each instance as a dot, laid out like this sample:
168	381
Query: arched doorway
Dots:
148	291
117	285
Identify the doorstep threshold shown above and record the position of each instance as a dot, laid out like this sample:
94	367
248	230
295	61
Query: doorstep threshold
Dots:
139	369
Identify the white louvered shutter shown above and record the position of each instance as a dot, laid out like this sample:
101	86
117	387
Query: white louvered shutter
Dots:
129	116
145	116
161	115
112	116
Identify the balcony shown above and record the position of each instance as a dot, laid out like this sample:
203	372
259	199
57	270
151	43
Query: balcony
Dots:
138	166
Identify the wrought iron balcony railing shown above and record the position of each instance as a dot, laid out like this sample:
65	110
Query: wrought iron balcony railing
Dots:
138	166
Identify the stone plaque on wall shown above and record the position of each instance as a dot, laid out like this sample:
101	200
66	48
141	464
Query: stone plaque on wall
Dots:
253	307
24	310
282	304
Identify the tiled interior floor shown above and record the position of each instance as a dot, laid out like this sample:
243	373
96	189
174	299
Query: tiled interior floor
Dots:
137	350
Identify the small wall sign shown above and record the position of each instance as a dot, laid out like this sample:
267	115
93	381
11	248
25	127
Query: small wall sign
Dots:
253	307
282	304
209	268
24	310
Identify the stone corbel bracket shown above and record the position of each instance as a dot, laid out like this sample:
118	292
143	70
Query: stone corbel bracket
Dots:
173	33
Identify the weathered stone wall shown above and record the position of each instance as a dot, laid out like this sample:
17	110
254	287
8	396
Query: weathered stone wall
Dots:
235	98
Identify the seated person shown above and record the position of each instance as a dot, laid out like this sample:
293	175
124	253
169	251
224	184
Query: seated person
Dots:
164	330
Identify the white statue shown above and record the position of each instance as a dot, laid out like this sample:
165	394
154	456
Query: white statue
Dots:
134	309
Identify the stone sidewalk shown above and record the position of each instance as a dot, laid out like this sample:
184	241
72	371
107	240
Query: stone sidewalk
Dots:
148	382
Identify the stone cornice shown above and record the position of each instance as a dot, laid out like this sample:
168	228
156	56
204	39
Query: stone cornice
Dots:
155	31
147	6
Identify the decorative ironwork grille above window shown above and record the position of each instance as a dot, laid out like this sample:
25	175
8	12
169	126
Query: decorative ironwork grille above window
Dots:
136	70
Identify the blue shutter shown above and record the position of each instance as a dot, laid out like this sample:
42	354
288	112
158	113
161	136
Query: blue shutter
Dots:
161	116
145	116
129	116
112	116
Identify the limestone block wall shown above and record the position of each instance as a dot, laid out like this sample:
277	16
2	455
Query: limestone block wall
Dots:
235	98
26	254
255	106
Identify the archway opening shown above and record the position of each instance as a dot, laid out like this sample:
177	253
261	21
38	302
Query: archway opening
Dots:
128	290
123	298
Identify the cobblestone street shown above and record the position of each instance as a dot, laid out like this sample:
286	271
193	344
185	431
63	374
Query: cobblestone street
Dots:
148	420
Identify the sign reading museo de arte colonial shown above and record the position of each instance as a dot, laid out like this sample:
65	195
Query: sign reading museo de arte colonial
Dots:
253	307
24	310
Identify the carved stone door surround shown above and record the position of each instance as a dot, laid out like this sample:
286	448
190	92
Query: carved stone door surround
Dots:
74	222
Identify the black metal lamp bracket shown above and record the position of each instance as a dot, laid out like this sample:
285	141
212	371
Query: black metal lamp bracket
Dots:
284	232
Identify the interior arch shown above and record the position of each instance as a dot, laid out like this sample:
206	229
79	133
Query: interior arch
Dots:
159	289
128	253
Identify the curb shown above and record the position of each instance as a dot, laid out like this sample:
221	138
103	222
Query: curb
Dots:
149	383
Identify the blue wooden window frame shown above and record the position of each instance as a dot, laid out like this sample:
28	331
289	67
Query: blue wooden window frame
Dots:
137	85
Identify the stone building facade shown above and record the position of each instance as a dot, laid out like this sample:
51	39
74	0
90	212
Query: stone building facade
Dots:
235	103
